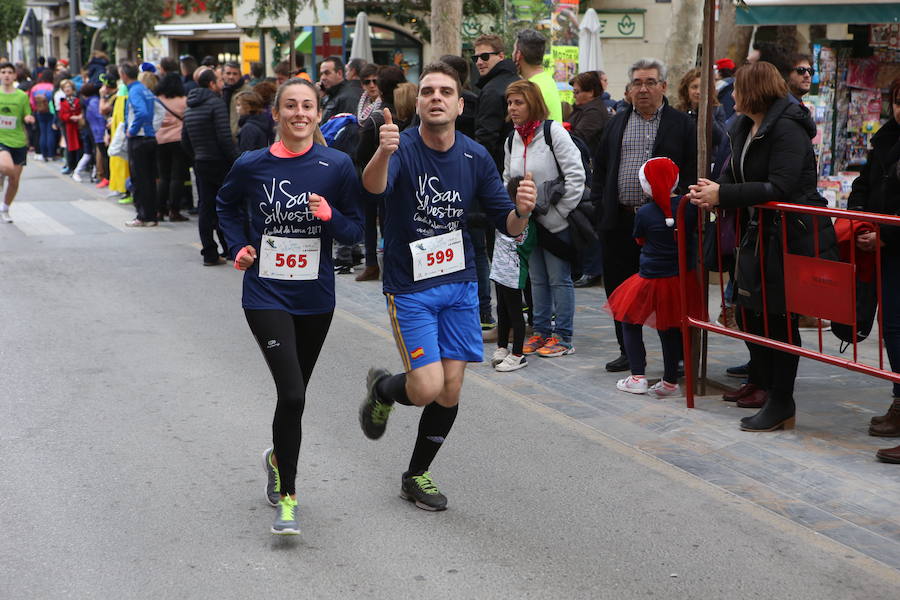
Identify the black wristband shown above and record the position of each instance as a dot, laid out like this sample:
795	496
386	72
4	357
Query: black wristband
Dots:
518	216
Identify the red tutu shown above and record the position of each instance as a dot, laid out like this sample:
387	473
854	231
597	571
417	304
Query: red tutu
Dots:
654	302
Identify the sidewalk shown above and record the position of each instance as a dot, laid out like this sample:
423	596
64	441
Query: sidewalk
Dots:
823	475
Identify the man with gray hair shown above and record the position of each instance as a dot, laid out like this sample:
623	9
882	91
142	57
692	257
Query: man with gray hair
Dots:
649	127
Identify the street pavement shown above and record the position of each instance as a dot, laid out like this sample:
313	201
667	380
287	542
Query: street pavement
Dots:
136	407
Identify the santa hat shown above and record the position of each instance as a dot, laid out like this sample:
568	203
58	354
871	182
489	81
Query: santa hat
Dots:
725	63
659	178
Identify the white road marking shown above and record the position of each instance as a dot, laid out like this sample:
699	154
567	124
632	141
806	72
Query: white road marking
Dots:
33	221
111	214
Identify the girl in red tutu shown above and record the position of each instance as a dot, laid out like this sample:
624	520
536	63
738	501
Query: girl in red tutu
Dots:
651	296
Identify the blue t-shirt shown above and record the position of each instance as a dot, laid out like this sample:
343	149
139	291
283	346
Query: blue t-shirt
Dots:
267	195
430	193
659	254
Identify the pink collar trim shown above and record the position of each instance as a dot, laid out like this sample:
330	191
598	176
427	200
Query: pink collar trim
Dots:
280	150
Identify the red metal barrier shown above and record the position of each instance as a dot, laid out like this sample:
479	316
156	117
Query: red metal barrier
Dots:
825	289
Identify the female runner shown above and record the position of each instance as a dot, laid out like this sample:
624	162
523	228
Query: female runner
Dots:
280	208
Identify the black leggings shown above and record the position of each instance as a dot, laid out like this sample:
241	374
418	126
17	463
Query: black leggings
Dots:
291	345
633	338
509	316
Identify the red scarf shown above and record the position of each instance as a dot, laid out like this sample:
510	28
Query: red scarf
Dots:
526	130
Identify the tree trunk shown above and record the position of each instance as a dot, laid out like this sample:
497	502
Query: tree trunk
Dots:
684	37
292	34
446	27
733	40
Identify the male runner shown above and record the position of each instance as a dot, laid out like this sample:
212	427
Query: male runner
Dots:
15	111
430	176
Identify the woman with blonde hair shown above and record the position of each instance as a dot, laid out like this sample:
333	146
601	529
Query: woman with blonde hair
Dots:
281	236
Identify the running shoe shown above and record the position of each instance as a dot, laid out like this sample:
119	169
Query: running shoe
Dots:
273	478
660	390
4	216
533	343
286	518
633	385
125	199
511	363
487	322
555	347
422	490
103	183
498	356
373	413
77	177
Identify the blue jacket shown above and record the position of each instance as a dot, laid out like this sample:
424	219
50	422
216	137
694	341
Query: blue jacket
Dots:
140	110
96	121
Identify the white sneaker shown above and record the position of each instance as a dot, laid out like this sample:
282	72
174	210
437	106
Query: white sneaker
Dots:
4	216
76	177
511	363
658	390
498	356
633	385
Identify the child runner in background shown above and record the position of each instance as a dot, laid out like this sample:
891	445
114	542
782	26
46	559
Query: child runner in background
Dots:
509	272
651	296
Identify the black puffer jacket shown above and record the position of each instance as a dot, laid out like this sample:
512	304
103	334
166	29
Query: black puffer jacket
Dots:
206	135
779	165
491	126
877	189
256	131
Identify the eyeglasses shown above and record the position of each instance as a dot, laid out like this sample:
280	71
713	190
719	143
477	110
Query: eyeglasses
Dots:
484	56
649	84
369	81
804	70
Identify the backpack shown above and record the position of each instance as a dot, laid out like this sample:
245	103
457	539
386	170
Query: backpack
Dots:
579	143
581	218
341	132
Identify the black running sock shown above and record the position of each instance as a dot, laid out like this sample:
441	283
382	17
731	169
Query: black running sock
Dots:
393	389
434	425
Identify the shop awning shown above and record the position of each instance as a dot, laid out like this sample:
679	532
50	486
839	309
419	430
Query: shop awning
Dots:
795	12
303	42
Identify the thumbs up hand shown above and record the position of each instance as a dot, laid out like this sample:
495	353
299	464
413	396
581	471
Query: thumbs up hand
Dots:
388	135
526	196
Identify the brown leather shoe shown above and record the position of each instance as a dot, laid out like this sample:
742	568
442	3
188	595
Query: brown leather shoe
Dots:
756	399
369	274
177	217
889	455
742	392
895	405
890	426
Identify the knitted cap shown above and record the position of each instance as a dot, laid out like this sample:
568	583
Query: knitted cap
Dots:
659	178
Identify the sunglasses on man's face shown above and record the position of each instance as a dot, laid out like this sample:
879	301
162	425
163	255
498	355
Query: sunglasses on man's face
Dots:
804	70
369	81
484	56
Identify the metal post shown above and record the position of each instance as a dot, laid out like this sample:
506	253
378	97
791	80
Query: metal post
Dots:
262	51
74	51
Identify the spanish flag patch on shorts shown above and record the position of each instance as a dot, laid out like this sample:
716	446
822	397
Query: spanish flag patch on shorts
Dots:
418	352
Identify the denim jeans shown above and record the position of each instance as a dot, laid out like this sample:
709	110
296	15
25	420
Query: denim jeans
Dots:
890	300
47	135
482	270
552	292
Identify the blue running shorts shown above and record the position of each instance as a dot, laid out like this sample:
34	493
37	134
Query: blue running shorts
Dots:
440	322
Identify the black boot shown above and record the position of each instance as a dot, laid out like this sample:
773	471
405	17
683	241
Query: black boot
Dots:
775	414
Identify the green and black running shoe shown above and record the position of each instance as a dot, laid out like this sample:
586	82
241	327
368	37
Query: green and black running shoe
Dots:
287	521
373	413
422	490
